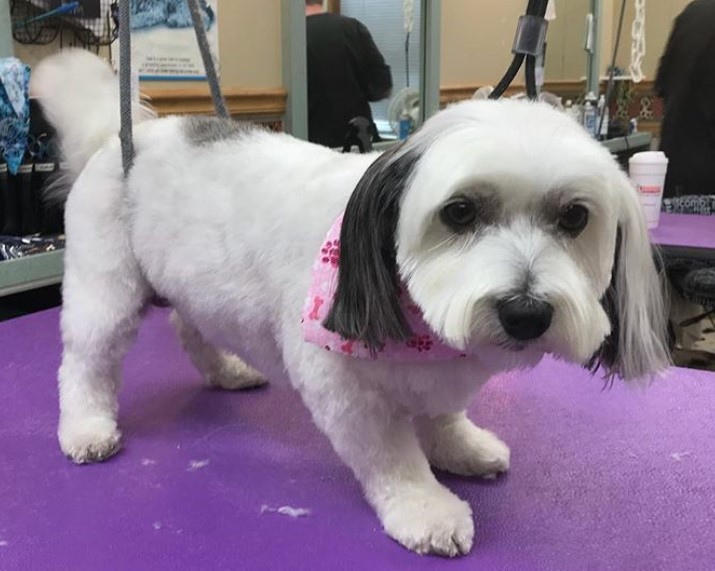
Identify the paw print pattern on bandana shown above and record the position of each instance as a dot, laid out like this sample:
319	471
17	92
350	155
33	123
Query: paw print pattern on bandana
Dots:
331	253
424	345
421	343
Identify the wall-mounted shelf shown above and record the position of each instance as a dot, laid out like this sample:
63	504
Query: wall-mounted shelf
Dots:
32	272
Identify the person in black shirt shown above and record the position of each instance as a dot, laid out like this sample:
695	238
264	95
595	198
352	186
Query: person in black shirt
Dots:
686	82
345	72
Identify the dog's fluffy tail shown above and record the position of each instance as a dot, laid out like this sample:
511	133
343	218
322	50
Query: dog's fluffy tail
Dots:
79	95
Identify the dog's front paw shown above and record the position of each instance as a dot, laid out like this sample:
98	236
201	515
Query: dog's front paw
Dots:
478	453
431	521
467	450
89	440
235	375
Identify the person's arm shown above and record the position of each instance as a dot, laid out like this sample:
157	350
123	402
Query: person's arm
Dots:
376	75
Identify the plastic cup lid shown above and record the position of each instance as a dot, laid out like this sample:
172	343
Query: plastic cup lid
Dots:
649	157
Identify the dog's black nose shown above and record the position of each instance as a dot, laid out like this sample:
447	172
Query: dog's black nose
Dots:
525	318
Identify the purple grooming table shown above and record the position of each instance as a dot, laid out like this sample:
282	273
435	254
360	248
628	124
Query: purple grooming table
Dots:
619	479
686	235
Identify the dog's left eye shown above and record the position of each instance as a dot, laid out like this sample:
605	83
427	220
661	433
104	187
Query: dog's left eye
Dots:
459	214
573	219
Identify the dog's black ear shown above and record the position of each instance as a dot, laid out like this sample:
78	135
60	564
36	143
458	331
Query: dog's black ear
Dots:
607	355
366	305
621	348
636	301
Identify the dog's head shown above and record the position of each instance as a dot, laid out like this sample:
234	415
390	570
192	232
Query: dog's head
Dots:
509	226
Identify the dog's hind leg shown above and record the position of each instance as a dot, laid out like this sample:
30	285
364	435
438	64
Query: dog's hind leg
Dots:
219	369
454	444
100	317
104	293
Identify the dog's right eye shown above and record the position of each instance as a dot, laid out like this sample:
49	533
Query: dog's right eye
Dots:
573	219
460	214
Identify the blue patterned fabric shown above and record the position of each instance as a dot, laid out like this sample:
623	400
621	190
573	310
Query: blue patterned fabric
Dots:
14	111
170	13
690	204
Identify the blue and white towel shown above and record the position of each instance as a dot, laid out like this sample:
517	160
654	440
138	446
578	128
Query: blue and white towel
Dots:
14	111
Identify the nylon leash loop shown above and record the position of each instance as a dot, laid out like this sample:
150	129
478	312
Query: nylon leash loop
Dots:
125	76
209	66
125	87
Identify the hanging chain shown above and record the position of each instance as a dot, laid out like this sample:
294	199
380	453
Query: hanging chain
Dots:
638	43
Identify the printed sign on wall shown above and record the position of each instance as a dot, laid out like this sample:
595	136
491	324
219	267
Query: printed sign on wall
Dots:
164	41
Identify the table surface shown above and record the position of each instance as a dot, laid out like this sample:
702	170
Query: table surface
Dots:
685	230
601	479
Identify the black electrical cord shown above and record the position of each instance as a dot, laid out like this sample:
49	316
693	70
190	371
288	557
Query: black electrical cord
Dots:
530	75
612	70
508	77
533	8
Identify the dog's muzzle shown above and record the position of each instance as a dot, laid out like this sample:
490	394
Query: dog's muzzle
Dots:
524	318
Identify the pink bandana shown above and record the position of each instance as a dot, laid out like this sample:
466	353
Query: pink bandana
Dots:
424	345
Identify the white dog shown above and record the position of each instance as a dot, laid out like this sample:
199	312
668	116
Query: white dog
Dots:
512	231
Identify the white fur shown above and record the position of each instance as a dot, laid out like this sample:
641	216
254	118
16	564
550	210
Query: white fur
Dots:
228	232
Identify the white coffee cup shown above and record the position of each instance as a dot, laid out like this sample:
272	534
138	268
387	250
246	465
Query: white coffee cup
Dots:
647	171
